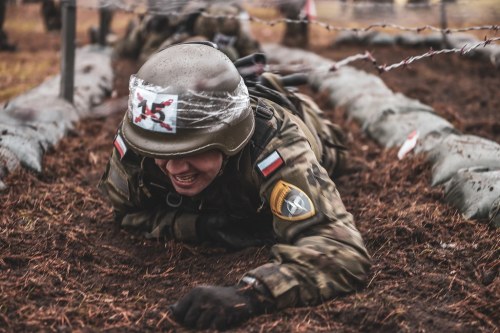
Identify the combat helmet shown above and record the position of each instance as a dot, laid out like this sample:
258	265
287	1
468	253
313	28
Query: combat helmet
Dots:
187	99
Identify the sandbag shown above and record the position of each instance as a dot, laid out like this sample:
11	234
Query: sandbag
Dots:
93	79
459	40
494	214
392	126
407	39
370	106
8	161
24	143
47	135
276	53
346	89
433	138
40	109
35	121
495	56
434	40
354	37
473	191
410	39
457	152
318	78
46	119
382	39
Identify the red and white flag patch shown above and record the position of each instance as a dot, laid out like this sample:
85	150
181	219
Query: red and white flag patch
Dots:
270	164
120	145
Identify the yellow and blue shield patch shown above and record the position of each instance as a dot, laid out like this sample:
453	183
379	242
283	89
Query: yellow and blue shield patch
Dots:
289	202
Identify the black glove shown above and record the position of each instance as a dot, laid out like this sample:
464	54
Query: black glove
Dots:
218	307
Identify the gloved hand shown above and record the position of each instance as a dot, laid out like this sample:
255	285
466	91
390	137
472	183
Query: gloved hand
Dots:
217	307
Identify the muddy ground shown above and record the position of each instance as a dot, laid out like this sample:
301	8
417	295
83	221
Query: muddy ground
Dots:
65	266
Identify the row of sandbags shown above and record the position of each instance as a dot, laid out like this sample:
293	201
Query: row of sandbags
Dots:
435	40
35	121
467	165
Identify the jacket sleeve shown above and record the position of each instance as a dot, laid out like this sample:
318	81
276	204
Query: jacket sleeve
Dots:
135	208
321	253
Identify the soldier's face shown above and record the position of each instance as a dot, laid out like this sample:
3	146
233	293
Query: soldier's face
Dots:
191	175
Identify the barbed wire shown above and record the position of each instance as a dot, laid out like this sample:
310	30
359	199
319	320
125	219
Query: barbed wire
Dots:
174	4
173	8
153	7
301	68
467	48
330	27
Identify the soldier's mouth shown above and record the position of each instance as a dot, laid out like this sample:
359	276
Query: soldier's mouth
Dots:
184	179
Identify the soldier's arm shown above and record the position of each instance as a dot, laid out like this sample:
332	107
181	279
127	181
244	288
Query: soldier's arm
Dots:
321	253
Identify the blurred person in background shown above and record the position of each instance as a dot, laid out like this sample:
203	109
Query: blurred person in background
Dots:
296	33
4	41
154	30
52	16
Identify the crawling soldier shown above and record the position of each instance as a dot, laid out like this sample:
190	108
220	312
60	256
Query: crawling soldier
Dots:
199	159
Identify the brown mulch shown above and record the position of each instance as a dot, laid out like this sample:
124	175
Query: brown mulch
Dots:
65	266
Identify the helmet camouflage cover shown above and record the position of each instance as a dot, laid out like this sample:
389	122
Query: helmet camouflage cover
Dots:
187	99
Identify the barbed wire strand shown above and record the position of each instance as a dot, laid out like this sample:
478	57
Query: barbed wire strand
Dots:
467	48
153	9
174	9
296	68
330	27
171	5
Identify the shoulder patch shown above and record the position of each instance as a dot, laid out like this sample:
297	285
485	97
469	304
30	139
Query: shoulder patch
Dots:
120	145
290	203
270	164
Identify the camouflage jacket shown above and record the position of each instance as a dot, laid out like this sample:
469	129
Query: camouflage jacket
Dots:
274	187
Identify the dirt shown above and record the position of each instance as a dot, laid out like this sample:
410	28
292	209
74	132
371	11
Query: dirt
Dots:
65	266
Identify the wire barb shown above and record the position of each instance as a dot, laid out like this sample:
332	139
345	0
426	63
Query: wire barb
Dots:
467	48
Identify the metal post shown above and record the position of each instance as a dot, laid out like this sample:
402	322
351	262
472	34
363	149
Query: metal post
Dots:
105	17
444	22
68	49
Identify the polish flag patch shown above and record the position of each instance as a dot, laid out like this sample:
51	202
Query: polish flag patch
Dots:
120	145
270	164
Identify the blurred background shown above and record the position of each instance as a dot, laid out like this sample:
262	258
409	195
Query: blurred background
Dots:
33	28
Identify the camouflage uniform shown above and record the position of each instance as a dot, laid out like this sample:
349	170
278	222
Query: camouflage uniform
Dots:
296	34
52	16
156	32
144	37
319	253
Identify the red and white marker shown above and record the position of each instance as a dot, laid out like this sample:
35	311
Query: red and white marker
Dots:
408	145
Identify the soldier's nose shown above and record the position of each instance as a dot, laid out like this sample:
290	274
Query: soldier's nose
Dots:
177	166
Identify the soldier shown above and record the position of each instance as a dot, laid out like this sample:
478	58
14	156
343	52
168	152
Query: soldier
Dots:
199	159
4	41
296	33
52	16
217	22
143	36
